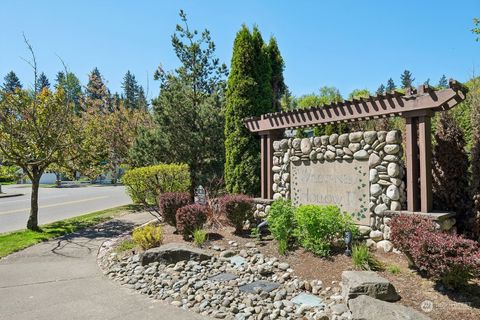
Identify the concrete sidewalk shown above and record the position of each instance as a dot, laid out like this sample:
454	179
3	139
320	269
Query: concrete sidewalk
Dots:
60	279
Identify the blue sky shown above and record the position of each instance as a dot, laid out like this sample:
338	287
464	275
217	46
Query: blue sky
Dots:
347	44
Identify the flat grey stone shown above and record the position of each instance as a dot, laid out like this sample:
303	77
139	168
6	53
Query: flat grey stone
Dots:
357	283
172	253
252	287
308	299
238	260
368	308
225	276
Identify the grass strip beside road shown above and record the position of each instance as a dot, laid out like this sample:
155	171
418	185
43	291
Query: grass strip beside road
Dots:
17	240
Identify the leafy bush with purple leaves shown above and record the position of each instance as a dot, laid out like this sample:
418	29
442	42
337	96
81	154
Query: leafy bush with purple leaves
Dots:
190	218
238	208
448	258
170	202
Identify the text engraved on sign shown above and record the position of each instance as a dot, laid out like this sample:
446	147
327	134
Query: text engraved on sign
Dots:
344	184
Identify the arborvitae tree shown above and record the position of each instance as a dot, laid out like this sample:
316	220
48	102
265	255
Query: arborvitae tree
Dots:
443	82
407	79
390	86
249	94
71	85
42	82
11	82
129	86
450	171
263	72
97	95
277	81
381	89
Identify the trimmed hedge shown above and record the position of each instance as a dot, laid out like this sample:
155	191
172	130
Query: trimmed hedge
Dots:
170	202
145	184
448	258
191	218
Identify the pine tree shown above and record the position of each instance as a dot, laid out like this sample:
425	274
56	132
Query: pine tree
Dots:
381	89
130	87
189	109
443	82
97	95
42	82
71	86
390	86
427	82
277	81
249	94
407	79
11	82
450	171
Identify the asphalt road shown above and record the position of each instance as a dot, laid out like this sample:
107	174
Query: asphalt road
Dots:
57	203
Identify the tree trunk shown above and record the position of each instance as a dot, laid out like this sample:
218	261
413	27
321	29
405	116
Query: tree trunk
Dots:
32	223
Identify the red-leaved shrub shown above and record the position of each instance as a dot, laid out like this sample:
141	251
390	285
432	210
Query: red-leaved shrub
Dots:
238	208
448	258
191	218
170	202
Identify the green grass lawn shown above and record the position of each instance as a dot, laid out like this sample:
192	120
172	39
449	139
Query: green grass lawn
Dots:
18	240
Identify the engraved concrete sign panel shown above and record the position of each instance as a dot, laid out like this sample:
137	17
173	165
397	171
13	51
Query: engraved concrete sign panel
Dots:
344	184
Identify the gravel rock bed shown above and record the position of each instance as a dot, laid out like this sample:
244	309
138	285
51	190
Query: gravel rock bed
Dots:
187	285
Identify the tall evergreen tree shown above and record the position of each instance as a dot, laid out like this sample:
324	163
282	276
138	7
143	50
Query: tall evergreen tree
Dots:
443	82
407	79
11	82
71	86
249	93
43	82
141	100
381	89
390	85
97	95
188	111
130	88
277	81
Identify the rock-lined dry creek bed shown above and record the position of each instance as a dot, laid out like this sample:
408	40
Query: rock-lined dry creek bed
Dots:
233	282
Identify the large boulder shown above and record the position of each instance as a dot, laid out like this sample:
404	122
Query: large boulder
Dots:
171	253
367	308
357	283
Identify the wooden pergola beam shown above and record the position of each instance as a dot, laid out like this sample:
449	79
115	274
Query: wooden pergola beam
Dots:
388	105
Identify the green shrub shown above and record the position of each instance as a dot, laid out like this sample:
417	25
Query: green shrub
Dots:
126	245
145	184
149	236
319	227
364	260
199	237
393	269
281	223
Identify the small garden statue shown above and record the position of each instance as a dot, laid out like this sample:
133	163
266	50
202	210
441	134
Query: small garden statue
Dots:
348	238
200	195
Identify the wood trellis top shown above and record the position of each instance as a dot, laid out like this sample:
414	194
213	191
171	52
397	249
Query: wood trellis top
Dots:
423	101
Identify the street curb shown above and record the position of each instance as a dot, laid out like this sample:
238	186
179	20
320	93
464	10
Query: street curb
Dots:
10	195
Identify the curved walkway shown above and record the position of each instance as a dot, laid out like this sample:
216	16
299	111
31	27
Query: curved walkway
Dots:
60	279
